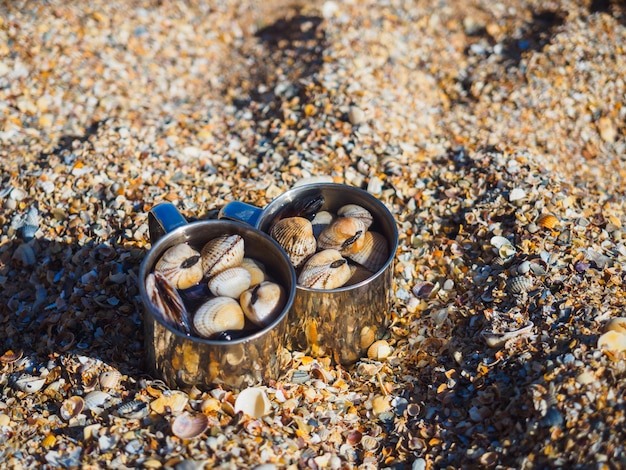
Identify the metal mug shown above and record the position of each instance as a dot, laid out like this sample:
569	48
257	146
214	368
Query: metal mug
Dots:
184	361
340	323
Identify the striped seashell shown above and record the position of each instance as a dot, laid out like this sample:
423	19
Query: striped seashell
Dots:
373	253
262	302
519	284
134	409
230	282
168	302
188	426
218	314
181	265
110	379
295	235
548	221
222	253
346	234
325	270
358	212
256	270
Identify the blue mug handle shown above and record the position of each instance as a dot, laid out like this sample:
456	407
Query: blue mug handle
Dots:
162	219
242	212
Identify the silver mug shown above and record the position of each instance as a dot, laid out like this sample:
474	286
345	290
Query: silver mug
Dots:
183	360
339	323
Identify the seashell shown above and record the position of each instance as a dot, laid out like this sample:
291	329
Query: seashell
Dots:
379	350
374	252
358	212
29	383
519	284
181	265
358	274
135	409
222	253
96	401
367	337
302	207
321	220
230	282
613	341
187	426
423	289
295	235
354	437
325	270
548	221
168	302
253	401
170	401
346	234
495	340
110	379
256	270
11	356
616	324
381	404
261	303
71	407
218	314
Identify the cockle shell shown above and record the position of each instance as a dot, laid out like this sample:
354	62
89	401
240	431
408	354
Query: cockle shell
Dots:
374	252
346	234
218	314
262	302
254	402
110	379
548	221
167	301
181	265
321	220
519	284
325	270
221	253
256	270
230	282
358	212
295	235
188	426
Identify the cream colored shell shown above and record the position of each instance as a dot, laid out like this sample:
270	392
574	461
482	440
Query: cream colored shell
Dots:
325	270
218	314
181	265
295	235
221	253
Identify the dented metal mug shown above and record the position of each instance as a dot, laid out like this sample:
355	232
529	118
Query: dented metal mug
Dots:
339	323
183	360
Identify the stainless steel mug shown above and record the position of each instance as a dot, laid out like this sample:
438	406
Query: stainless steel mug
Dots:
183	360
340	323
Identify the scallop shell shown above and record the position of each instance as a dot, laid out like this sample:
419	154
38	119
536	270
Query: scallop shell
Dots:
187	426
110	379
254	402
181	265
295	235
261	303
325	270
379	350
548	221
374	252
321	220
256	270
230	282
358	212
218	314
222	253
167	301
71	407
346	234
96	401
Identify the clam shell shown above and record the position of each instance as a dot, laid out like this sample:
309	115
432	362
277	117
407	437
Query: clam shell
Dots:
519	284
295	235
110	379
71	407
548	221
187	426
29	383
321	220
374	252
256	270
230	282
218	314
379	350
254	402
358	212
167	301
325	270
181	265
170	401
346	234
262	302
222	253
135	409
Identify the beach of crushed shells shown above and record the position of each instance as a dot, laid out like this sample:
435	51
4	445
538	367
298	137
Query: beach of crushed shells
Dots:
494	131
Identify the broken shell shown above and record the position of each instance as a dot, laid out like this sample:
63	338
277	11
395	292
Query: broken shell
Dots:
96	400
373	253
222	253
325	270
135	409
11	356
218	314
230	282
256	270
613	341
262	302
181	265
321	220
616	324
167	301
346	234
110	379
519	284
254	402
379	350
71	407
170	401
187	426
358	212
548	221
295	235
29	383
495	340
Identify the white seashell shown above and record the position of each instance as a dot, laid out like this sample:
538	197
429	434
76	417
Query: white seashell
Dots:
71	407
379	350
222	253
256	270
187	426
321	220
346	234
495	340
295	235
616	324
218	314
253	401
168	302
262	302
358	212
613	341
373	253
110	379
230	282
96	400
29	383
497	241
181	265
325	270
517	194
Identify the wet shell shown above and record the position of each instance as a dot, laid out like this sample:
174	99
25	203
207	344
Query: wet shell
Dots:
222	253
321	220
548	221
295	235
262	303
346	234
168	302
325	270
230	282
256	270
358	274
181	265
187	426
218	314
358	212
374	252
379	350
110	379
254	402
71	407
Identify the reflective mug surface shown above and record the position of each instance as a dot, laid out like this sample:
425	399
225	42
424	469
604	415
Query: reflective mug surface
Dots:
339	323
184	361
